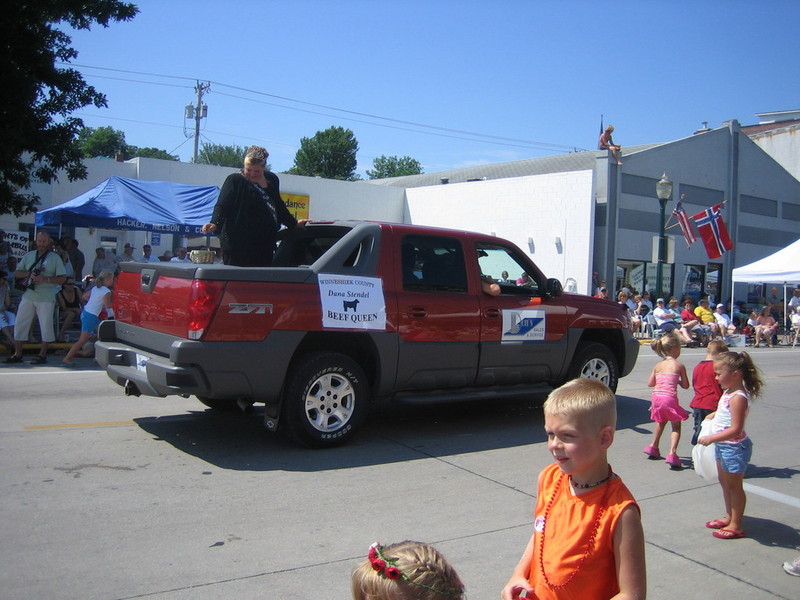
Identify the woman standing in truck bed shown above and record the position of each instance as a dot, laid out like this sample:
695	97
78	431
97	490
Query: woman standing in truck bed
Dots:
249	213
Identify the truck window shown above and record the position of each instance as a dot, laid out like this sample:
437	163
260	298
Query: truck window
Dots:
432	264
304	246
500	264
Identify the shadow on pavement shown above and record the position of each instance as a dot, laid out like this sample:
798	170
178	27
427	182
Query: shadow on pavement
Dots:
756	472
771	533
392	432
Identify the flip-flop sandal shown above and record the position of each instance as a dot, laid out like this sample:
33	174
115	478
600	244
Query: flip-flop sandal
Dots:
728	534
39	360
716	524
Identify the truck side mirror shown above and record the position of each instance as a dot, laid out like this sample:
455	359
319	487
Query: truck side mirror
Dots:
553	287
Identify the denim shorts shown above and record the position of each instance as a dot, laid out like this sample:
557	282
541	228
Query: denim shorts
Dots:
734	457
89	322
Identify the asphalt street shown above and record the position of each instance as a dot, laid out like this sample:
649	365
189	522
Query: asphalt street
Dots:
110	497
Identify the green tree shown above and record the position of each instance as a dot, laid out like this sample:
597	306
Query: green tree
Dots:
393	166
102	142
330	153
105	142
38	98
221	155
150	153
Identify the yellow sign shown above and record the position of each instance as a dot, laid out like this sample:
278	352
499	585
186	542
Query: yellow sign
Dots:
297	204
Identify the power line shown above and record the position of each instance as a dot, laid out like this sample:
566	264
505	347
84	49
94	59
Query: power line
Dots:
226	133
362	114
445	131
455	137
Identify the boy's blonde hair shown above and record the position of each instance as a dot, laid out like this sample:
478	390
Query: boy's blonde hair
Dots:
588	399
716	347
406	571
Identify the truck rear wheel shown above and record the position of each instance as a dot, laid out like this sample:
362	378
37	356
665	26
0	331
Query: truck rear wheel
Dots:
595	361
325	399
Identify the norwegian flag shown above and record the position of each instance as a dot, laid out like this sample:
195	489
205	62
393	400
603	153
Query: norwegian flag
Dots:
713	231
686	225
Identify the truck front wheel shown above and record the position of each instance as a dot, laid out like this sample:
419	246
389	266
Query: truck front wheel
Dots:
595	361
325	399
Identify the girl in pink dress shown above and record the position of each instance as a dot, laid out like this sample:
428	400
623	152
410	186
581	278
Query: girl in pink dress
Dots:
665	378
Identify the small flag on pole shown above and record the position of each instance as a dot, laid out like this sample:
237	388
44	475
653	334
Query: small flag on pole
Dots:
713	231
686	225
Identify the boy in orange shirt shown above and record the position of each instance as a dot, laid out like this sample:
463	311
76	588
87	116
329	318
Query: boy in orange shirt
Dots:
587	540
706	387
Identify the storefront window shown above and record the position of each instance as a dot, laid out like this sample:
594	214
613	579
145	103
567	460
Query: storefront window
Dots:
755	294
713	282
630	274
692	283
666	277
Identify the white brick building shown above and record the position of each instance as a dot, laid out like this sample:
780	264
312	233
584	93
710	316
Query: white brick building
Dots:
575	214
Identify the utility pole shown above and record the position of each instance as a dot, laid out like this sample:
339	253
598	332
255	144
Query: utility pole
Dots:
197	112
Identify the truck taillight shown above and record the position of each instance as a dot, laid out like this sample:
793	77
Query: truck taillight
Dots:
203	302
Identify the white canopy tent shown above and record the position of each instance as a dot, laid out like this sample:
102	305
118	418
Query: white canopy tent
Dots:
783	267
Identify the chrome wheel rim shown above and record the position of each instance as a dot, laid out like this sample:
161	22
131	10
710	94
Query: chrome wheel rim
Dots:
330	402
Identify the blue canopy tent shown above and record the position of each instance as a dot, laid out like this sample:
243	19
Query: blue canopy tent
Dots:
122	203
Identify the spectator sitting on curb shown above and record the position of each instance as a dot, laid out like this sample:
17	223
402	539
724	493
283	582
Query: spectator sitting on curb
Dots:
665	319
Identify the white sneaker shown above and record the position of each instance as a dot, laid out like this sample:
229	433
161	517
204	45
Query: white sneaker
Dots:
793	567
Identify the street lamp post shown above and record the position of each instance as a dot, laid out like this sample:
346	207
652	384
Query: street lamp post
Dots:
663	191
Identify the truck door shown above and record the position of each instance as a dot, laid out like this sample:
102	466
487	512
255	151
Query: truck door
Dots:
438	319
522	332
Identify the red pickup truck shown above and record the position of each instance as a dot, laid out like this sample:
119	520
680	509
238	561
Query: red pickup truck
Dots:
352	312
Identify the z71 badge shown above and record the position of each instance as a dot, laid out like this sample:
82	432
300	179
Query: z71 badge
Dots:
238	308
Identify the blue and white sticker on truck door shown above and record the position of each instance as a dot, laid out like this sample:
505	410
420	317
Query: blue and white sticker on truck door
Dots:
524	325
352	302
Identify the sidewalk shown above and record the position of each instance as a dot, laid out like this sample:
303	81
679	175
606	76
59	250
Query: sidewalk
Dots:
31	348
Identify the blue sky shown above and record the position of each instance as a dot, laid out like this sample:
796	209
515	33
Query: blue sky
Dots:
421	78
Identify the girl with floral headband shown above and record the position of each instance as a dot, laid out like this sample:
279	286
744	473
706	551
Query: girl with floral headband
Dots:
406	571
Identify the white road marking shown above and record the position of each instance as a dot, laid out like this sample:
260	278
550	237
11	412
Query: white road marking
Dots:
776	496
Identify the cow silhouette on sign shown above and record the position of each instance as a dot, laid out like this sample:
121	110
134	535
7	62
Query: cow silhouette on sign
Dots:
349	304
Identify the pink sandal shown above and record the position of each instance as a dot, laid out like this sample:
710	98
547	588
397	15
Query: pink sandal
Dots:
716	524
728	534
652	452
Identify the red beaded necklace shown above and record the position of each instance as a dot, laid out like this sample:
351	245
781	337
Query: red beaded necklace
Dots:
589	543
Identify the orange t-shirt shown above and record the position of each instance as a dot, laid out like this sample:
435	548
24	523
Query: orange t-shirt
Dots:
567	530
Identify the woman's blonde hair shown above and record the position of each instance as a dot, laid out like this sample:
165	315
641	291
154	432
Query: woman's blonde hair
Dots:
406	571
256	155
103	277
665	344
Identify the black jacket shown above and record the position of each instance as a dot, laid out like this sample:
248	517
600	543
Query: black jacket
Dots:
245	223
